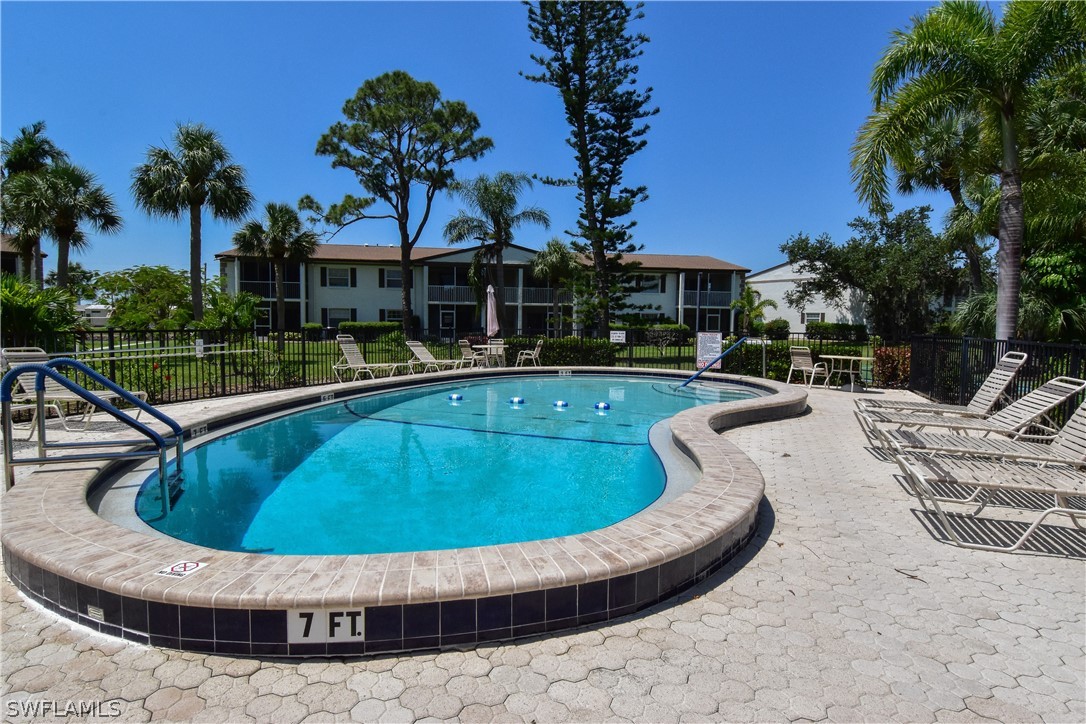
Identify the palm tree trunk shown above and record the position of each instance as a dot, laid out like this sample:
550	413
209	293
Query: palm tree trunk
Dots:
39	264
195	266
405	280
26	259
556	324
62	263
1011	232
280	308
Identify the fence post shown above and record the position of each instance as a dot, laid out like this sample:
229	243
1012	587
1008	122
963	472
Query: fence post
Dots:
222	362
305	370
112	360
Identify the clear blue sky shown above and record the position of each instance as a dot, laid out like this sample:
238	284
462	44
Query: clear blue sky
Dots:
759	104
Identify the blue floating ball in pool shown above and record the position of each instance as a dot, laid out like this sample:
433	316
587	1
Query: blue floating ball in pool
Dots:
603	405
516	400
455	397
561	404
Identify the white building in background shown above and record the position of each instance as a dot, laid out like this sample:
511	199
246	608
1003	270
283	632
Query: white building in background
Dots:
352	282
774	282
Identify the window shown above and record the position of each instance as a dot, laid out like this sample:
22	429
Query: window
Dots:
392	315
390	278
651	283
809	317
334	315
338	277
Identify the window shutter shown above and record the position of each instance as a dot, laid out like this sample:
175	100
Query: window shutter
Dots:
381	315
324	314
324	282
354	277
663	283
354	312
381	278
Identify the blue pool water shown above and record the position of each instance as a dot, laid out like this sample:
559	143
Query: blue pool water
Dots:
413	470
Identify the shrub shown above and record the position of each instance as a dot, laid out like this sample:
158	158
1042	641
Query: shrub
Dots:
892	367
777	329
574	351
312	331
837	331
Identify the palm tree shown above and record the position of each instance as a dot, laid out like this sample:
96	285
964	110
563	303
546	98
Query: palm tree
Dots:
494	201
30	152
752	307
196	172
282	237
58	202
556	263
955	60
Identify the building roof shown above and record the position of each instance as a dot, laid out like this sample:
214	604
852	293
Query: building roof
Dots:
7	248
391	254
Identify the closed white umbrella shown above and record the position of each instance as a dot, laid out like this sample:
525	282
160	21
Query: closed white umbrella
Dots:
492	325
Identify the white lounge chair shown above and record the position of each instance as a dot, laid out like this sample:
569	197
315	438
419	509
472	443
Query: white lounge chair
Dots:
987	479
351	361
530	355
1014	420
983	402
424	357
1068	447
56	395
802	362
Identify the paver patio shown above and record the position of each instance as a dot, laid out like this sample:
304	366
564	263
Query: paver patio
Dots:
845	607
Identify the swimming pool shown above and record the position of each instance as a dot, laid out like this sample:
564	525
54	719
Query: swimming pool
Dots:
432	468
71	542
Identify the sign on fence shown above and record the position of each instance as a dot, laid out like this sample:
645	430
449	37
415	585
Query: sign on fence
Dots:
619	336
709	348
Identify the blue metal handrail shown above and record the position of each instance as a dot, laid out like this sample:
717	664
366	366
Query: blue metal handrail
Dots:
48	369
719	357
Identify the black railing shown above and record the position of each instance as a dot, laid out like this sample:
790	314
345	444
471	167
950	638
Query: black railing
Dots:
952	369
183	365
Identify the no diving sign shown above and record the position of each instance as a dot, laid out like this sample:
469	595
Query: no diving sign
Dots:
181	569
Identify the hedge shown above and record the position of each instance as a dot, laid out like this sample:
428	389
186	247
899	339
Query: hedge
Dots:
837	331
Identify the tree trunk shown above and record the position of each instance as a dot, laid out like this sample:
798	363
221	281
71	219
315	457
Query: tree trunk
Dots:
556	323
1011	232
405	280
62	263
195	266
39	264
280	307
26	257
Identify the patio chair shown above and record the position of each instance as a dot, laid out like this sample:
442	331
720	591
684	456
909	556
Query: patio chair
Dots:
1013	420
802	362
1012	484
1068	447
982	404
428	361
56	395
351	361
530	355
470	357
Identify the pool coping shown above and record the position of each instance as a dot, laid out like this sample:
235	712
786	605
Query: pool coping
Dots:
81	566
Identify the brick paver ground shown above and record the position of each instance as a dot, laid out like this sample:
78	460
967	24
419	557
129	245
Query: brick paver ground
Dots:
845	608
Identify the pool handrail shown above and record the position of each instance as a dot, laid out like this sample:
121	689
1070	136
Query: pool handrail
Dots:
719	357
48	369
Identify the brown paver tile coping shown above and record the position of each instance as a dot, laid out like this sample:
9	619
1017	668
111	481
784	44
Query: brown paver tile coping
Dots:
84	567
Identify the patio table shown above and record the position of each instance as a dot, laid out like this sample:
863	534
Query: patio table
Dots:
495	353
846	363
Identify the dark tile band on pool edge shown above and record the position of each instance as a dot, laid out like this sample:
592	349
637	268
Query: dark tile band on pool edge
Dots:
81	567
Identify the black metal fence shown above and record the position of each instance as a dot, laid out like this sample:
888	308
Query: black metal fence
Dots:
952	369
183	365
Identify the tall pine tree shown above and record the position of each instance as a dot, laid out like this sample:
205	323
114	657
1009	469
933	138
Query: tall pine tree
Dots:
590	58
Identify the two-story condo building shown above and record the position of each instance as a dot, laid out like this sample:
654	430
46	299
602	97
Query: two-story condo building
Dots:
350	282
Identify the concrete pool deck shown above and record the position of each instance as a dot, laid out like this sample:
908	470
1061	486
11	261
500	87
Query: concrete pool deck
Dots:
845	607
